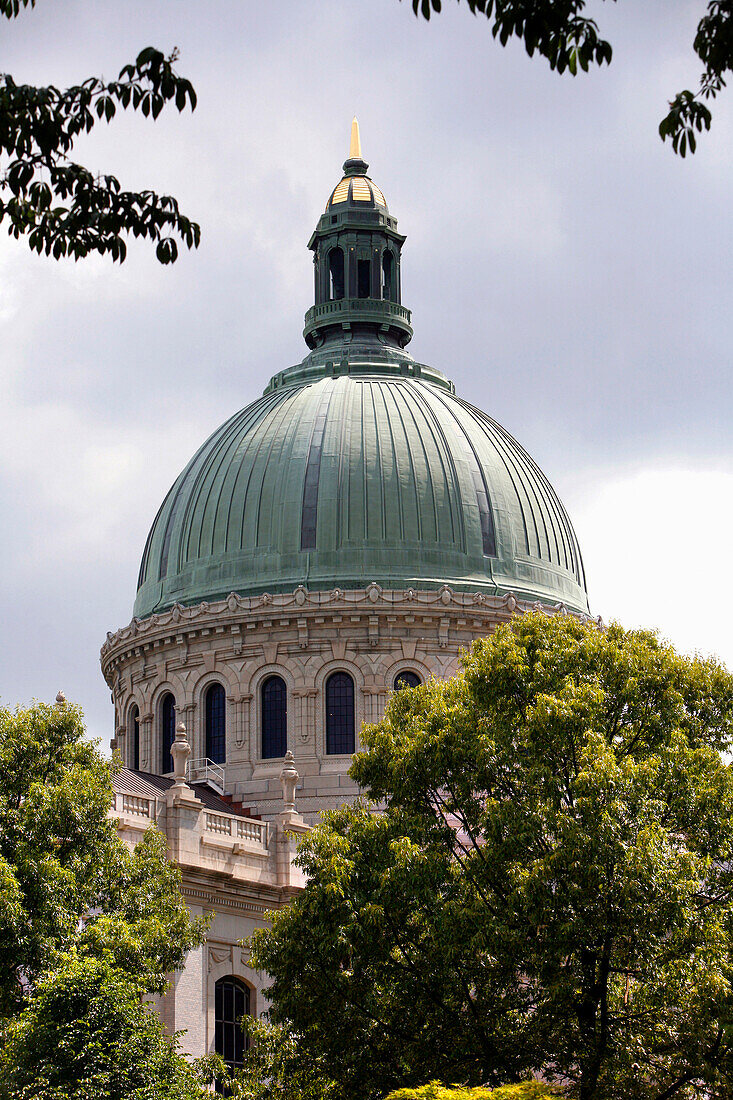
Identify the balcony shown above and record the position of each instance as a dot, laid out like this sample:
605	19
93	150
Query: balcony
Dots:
378	311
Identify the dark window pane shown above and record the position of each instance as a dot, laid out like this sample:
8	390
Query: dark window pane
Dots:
216	735
406	679
228	1054
340	736
274	717
133	755
167	732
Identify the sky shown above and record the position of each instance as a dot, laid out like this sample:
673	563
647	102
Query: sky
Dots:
563	267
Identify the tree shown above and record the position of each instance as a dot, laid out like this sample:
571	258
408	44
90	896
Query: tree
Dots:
86	1034
88	929
548	887
559	31
62	207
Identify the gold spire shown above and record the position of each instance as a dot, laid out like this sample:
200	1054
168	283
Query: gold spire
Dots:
355	147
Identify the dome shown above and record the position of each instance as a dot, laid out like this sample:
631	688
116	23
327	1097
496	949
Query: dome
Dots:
356	189
359	464
337	480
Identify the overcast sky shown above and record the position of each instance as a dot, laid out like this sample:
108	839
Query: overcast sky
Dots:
568	272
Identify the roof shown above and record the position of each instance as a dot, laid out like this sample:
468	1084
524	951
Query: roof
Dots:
148	785
371	475
359	190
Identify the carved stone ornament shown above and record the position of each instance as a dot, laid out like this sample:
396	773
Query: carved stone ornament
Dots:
180	751
219	955
288	780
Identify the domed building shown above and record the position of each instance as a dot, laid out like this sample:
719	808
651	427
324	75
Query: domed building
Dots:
345	535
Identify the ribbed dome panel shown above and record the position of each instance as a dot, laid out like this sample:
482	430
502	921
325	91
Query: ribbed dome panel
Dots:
346	480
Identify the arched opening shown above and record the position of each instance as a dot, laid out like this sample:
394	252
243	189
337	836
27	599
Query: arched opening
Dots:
336	274
406	679
388	276
216	729
274	717
167	732
340	731
364	279
133	738
231	1004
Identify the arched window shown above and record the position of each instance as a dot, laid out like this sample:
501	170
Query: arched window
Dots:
231	1003
406	679
274	717
340	713
133	737
336	274
216	728
167	732
387	276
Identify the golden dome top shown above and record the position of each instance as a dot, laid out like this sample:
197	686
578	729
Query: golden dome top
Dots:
356	189
355	186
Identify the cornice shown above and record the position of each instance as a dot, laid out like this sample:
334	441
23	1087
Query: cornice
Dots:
226	615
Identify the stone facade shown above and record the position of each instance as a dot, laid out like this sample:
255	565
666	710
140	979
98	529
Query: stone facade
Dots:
302	636
234	869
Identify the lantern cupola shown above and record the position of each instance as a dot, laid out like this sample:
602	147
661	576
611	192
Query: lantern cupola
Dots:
356	256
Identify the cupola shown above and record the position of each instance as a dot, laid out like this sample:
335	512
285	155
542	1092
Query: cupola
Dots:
356	256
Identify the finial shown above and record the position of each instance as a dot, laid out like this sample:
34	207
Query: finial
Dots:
288	780
60	699
180	751
355	147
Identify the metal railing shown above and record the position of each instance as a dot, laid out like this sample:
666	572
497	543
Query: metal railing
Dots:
380	306
204	770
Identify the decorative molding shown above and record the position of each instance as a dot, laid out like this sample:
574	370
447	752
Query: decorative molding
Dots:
236	608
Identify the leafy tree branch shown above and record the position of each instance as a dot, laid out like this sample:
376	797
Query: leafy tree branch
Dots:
60	206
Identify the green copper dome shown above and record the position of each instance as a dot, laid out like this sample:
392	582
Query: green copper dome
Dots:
359	465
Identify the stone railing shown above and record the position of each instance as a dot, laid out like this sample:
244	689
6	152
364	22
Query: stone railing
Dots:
135	806
238	828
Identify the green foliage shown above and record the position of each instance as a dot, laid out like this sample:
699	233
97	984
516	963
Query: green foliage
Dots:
548	887
87	1035
524	1090
88	929
558	31
62	207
